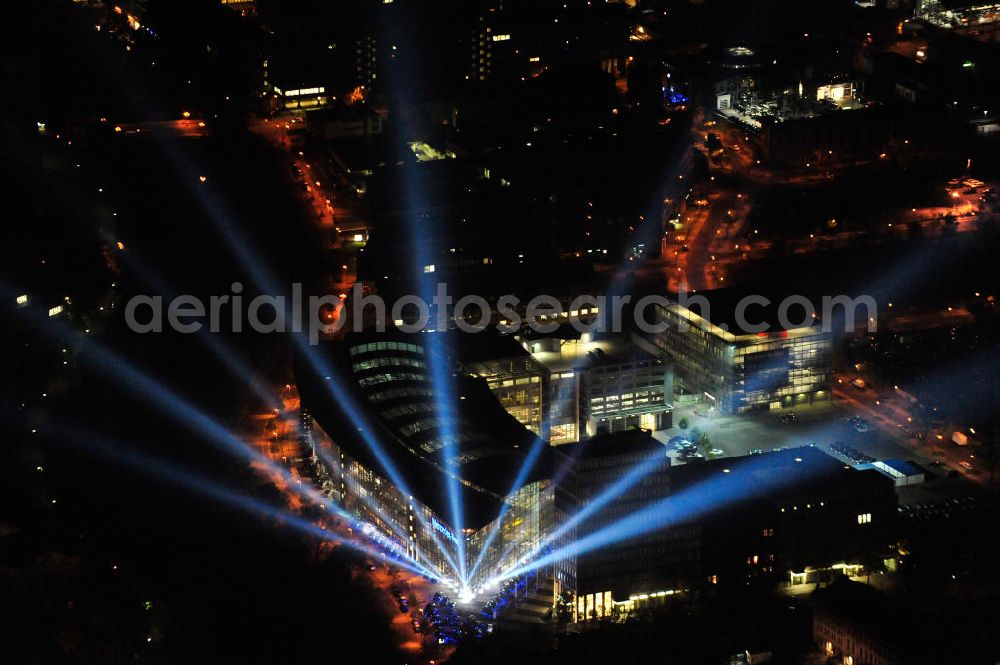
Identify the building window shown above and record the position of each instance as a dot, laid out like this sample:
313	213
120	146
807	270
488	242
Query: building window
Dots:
864	518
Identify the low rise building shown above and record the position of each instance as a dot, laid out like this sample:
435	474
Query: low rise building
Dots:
855	623
791	516
783	518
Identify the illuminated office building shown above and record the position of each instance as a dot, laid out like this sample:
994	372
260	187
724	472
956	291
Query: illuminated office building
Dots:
535	512
491	44
661	560
391	399
518	381
481	56
388	514
304	98
601	384
739	372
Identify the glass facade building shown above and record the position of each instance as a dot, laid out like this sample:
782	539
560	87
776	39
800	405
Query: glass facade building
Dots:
602	385
524	532
393	516
385	454
632	394
520	384
740	373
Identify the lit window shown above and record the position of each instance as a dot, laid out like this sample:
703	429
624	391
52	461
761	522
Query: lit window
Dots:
429	268
864	518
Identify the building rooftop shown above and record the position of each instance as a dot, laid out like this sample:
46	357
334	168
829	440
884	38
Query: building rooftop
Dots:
584	350
781	474
483	346
629	442
866	607
903	466
723	306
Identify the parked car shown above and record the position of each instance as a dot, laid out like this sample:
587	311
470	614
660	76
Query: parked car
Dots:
678	442
851	454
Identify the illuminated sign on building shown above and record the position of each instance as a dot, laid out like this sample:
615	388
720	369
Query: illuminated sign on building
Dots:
373	532
443	529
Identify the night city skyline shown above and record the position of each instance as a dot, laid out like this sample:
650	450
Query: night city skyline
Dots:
501	331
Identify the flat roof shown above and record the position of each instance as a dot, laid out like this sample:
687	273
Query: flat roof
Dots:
723	305
486	345
903	466
574	353
779	474
608	444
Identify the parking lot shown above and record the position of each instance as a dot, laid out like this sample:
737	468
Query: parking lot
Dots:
819	424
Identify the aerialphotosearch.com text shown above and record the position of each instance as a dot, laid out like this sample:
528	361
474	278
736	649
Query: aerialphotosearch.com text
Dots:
325	315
